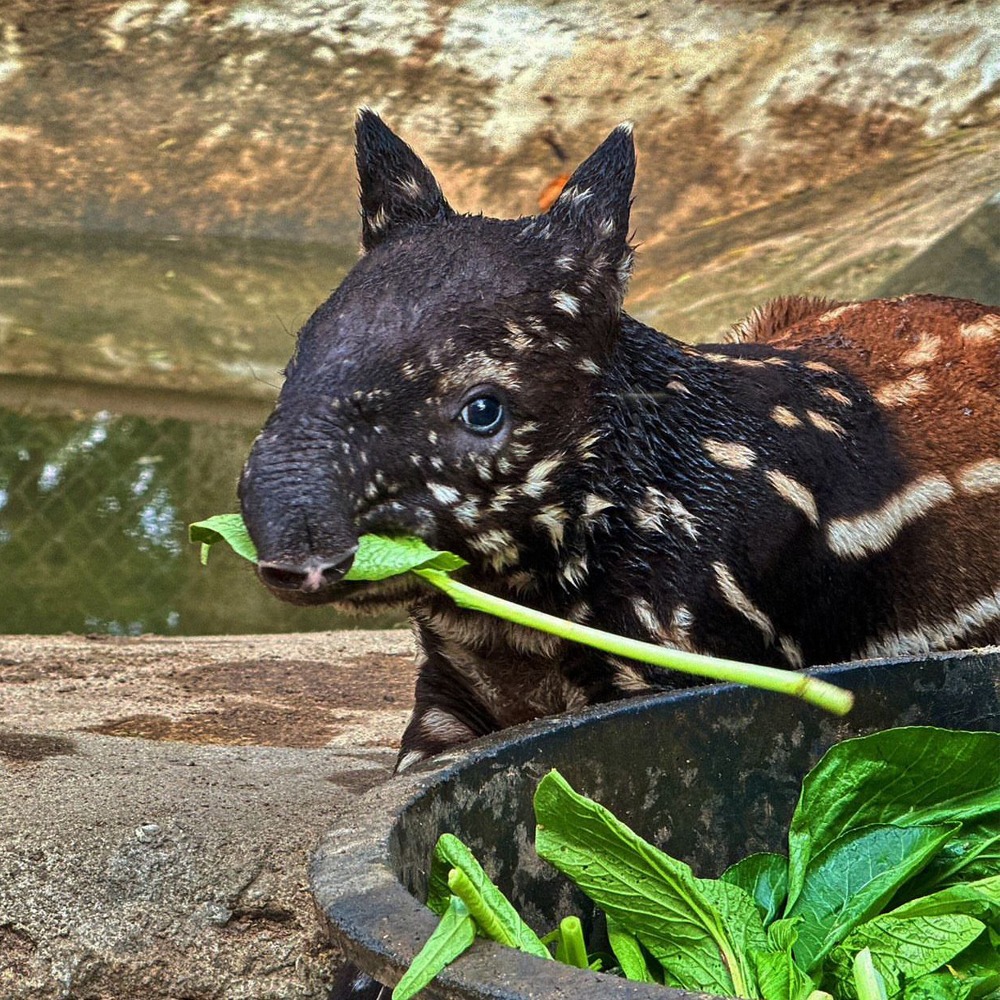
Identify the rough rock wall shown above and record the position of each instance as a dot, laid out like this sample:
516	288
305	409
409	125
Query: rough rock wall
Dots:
235	117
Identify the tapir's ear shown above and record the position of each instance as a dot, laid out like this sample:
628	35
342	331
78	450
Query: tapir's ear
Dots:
598	196
397	190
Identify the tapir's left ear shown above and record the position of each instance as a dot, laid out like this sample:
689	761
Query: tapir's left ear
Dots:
397	190
597	198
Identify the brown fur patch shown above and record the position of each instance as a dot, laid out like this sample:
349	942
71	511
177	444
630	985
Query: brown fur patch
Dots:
777	316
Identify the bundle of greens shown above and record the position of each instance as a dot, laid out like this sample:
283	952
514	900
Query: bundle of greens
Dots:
890	889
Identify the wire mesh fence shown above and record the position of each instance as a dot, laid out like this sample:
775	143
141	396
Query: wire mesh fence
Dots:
94	511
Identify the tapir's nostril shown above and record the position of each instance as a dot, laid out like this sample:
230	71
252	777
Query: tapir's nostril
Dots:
312	575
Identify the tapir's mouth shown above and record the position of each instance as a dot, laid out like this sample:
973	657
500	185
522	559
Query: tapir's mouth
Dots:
355	597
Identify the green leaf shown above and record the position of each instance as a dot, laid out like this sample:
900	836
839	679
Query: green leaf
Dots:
493	912
223	528
979	966
741	922
764	877
903	948
380	557
906	776
452	936
980	899
853	878
627	950
650	894
970	855
938	986
778	975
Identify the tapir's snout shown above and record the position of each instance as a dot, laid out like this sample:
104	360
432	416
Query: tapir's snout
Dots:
312	575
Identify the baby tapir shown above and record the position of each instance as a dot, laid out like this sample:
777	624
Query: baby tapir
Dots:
823	485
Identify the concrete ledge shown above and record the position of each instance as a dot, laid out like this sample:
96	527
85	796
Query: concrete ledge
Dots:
161	797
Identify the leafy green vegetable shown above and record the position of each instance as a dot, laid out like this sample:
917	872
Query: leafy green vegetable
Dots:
902	948
907	776
633	960
452	936
656	897
223	528
867	979
778	975
853	878
570	946
979	899
493	913
764	877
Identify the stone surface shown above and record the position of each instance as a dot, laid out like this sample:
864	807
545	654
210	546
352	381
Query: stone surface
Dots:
161	798
799	147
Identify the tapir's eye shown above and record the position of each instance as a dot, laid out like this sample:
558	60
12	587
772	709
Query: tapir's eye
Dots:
483	415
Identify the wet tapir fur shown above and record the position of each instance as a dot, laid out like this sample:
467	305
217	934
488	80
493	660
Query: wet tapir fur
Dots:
824	485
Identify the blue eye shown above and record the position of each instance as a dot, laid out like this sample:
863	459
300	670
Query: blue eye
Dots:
483	415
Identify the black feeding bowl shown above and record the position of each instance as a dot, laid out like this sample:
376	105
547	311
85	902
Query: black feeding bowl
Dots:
708	774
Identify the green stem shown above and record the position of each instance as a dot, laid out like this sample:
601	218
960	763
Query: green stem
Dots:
809	689
489	923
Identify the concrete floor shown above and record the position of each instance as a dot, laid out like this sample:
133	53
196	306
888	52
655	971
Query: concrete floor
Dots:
160	798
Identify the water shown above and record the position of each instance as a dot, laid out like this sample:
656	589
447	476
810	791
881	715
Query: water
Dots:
134	373
94	511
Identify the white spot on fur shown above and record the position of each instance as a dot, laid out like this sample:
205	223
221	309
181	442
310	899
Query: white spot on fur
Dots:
467	513
657	507
675	386
594	504
411	187
378	221
730	454
566	263
646	617
740	602
824	424
553	519
820	366
829	317
979	477
589	366
795	493
784	416
574	570
874	531
437	724
925	351
536	482
498	546
792	652
902	392
629	677
444	494
836	395
566	303
986	328
410	759
947	633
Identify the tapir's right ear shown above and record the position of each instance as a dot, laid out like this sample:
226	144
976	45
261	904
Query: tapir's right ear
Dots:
397	190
